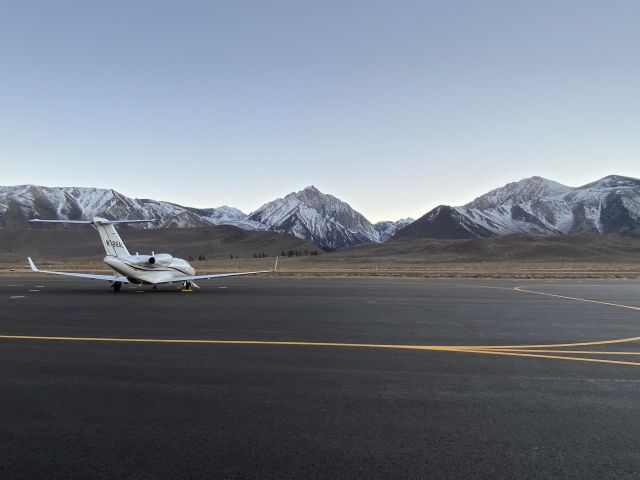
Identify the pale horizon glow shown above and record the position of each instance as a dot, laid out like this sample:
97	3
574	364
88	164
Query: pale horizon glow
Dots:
393	107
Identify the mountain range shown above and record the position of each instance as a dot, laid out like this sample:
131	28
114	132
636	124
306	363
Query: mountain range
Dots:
533	205
538	206
309	214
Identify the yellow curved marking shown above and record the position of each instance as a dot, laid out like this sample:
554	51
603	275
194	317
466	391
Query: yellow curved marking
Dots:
574	344
556	345
554	357
545	351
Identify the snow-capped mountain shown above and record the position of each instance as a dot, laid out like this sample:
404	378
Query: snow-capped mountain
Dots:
312	215
387	228
21	203
533	205
540	207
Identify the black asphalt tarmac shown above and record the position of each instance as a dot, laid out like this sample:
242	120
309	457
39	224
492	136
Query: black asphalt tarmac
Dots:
122	409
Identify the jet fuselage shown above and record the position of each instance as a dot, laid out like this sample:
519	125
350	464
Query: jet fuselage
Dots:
156	269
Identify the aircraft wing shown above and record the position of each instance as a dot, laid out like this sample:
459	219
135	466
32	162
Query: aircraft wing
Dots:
193	278
107	278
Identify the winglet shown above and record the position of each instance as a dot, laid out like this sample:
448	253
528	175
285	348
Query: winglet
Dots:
276	266
32	265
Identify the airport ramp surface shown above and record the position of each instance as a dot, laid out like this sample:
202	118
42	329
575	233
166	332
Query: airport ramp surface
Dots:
320	378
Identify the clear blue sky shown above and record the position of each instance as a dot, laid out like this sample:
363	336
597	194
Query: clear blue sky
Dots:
394	106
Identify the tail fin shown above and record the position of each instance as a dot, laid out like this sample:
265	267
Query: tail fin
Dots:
111	241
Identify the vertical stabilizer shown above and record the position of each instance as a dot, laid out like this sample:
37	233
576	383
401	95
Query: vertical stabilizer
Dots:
111	241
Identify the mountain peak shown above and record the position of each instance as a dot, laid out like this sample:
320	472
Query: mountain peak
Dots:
318	217
310	192
311	195
613	181
540	184
531	188
538	206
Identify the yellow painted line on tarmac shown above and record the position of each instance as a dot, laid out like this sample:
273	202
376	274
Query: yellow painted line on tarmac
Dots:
522	289
444	348
545	351
531	350
557	345
205	341
555	357
235	342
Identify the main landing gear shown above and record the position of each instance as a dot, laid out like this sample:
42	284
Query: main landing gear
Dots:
116	286
186	287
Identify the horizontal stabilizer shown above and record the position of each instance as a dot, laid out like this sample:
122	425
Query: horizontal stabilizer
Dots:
112	222
37	220
96	220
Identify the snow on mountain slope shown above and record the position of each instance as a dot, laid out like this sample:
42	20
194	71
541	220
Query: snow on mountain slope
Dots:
533	205
309	214
225	215
312	215
20	203
387	228
609	205
540	207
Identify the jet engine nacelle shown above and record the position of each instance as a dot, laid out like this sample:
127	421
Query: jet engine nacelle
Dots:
160	259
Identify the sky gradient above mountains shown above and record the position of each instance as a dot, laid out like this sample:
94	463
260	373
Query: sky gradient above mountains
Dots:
400	106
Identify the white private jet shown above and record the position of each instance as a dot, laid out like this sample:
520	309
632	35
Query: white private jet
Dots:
138	269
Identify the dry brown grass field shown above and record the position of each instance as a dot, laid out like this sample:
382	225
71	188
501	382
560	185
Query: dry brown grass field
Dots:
578	256
330	267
